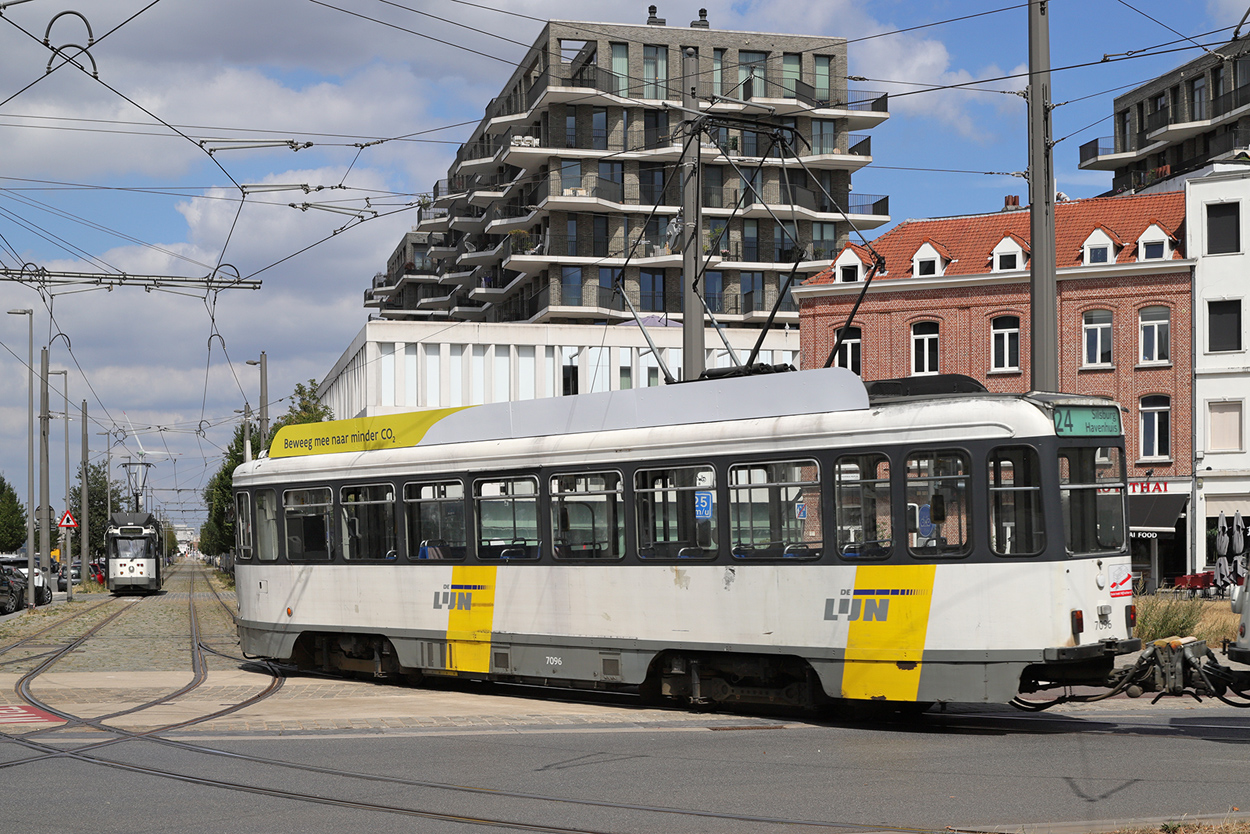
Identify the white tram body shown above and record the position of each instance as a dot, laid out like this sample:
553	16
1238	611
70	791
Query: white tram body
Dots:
773	538
132	543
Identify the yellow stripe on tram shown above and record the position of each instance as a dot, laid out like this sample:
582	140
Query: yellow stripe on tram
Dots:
469	623
889	622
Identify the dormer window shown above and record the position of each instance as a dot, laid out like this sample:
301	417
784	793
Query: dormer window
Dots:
1099	248
848	274
929	260
1153	244
1008	255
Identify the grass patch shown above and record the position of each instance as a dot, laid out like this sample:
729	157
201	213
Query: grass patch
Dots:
1167	615
1182	827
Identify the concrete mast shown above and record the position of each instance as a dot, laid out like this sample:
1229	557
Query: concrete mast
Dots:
1044	318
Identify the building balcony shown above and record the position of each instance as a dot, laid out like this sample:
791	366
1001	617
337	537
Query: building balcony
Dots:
432	219
757	308
472	220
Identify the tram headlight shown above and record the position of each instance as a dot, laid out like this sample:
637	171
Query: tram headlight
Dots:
1078	622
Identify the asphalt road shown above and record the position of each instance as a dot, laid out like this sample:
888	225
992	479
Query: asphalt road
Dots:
473	757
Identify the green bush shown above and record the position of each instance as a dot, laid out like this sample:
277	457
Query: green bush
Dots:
1160	616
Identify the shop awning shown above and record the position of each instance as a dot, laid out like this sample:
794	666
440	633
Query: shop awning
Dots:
1157	513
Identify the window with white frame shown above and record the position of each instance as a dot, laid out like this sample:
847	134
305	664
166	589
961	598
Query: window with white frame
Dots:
1008	256
1098	248
1224	325
850	352
924	348
927	261
1224	426
848	273
1152	245
1005	347
1223	228
1156	411
1097	338
1154	328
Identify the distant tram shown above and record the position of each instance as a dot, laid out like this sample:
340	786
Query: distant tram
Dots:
133	543
784	538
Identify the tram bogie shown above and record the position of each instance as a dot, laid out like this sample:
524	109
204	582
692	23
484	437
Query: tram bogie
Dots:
782	539
132	543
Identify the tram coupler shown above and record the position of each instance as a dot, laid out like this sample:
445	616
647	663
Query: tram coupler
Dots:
1172	666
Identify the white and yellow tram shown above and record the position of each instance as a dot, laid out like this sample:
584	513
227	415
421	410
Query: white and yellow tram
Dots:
132	542
778	538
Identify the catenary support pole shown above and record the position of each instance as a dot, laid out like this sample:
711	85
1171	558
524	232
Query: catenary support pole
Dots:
692	345
45	501
84	524
1044	318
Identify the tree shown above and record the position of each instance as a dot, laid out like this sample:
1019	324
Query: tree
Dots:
305	408
12	519
217	533
99	492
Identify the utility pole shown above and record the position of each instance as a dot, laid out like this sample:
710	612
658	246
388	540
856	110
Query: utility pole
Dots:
1044	315
692	345
84	528
45	509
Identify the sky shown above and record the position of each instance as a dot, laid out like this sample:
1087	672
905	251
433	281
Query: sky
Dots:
111	173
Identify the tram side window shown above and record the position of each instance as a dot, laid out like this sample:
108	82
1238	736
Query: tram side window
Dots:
308	523
938	515
266	525
862	492
1015	481
435	514
676	510
1091	495
774	510
507	518
588	515
367	514
243	525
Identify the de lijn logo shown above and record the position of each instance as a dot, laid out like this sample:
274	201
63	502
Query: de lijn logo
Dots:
863	603
456	597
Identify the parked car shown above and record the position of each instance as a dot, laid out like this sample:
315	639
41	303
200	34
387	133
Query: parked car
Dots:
75	573
43	591
12	590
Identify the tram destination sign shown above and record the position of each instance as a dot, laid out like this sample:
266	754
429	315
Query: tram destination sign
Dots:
1087	421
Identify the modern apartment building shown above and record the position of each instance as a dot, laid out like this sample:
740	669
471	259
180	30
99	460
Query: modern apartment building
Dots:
1178	122
566	189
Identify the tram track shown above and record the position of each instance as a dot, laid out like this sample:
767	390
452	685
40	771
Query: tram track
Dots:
95	753
39	742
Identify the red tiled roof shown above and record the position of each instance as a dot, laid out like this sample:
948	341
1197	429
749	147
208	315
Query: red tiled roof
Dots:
971	239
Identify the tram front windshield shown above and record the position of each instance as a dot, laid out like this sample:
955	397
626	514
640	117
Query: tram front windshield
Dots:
131	549
1092	492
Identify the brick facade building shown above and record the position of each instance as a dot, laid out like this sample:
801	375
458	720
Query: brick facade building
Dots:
954	298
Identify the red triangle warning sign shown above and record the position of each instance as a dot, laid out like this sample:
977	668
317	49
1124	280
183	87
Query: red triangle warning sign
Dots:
67	520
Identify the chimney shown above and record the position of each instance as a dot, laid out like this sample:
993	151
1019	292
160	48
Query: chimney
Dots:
701	23
652	20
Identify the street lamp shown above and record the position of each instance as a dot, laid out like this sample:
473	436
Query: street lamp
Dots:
264	396
30	456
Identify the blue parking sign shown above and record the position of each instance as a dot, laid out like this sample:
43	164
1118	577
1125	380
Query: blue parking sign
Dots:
703	505
800	511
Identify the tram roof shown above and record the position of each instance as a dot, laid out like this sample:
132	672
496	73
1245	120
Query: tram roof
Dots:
734	398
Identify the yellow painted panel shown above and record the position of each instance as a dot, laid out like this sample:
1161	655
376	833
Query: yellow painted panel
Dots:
886	637
469	623
387	431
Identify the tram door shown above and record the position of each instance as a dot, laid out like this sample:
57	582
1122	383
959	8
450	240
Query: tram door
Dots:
1145	550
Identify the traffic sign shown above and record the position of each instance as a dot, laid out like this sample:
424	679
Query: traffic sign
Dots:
67	520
